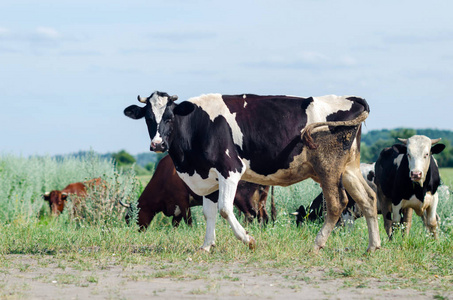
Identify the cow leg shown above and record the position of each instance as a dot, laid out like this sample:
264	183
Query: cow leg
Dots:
336	201
365	197
386	209
430	216
210	214
396	214
176	220
144	219
227	191
188	217
407	220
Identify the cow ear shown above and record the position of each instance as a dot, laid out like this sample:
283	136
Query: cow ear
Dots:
184	108
400	148
134	112
438	148
46	196
64	196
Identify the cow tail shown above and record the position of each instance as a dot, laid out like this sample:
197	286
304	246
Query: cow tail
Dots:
273	209
306	132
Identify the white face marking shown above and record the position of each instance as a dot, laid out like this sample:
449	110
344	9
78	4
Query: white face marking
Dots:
158	105
177	211
213	104
245	104
227	152
244	96
323	106
419	154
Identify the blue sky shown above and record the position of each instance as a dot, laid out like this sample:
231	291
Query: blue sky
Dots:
69	68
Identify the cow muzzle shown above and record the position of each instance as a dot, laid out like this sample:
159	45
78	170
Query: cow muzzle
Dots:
158	147
416	176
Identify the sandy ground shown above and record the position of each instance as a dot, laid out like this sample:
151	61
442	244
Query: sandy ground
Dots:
29	277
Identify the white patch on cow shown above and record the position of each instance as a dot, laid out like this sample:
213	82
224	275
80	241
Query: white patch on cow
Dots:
245	104
244	96
397	160
199	185
324	106
227	152
214	106
177	211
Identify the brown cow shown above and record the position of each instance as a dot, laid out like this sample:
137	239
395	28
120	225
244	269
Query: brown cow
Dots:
57	199
167	193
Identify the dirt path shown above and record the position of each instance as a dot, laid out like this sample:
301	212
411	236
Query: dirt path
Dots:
30	277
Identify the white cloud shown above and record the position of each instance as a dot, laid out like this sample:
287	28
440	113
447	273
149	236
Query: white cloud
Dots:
47	33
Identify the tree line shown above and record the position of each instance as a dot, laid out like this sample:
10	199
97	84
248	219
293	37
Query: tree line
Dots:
372	143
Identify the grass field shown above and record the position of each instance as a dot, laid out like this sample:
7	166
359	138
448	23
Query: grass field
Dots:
89	244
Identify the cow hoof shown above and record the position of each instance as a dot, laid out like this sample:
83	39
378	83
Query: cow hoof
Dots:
371	249
316	249
252	243
203	250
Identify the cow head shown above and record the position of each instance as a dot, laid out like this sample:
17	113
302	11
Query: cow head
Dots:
153	112
419	149
56	201
167	123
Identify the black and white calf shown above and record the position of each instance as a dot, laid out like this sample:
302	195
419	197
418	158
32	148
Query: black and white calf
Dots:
215	140
407	177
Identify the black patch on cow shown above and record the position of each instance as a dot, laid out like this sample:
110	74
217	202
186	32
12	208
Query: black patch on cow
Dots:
370	176
271	127
306	103
358	106
360	101
184	108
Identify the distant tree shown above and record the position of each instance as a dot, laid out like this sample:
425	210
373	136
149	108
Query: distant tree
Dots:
365	153
378	146
123	158
150	166
402	133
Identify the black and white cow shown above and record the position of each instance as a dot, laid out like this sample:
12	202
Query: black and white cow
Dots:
215	140
407	177
350	213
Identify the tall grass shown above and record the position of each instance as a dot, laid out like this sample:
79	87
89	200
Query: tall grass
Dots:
23	181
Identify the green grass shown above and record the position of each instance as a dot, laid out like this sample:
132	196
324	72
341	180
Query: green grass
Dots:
89	243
